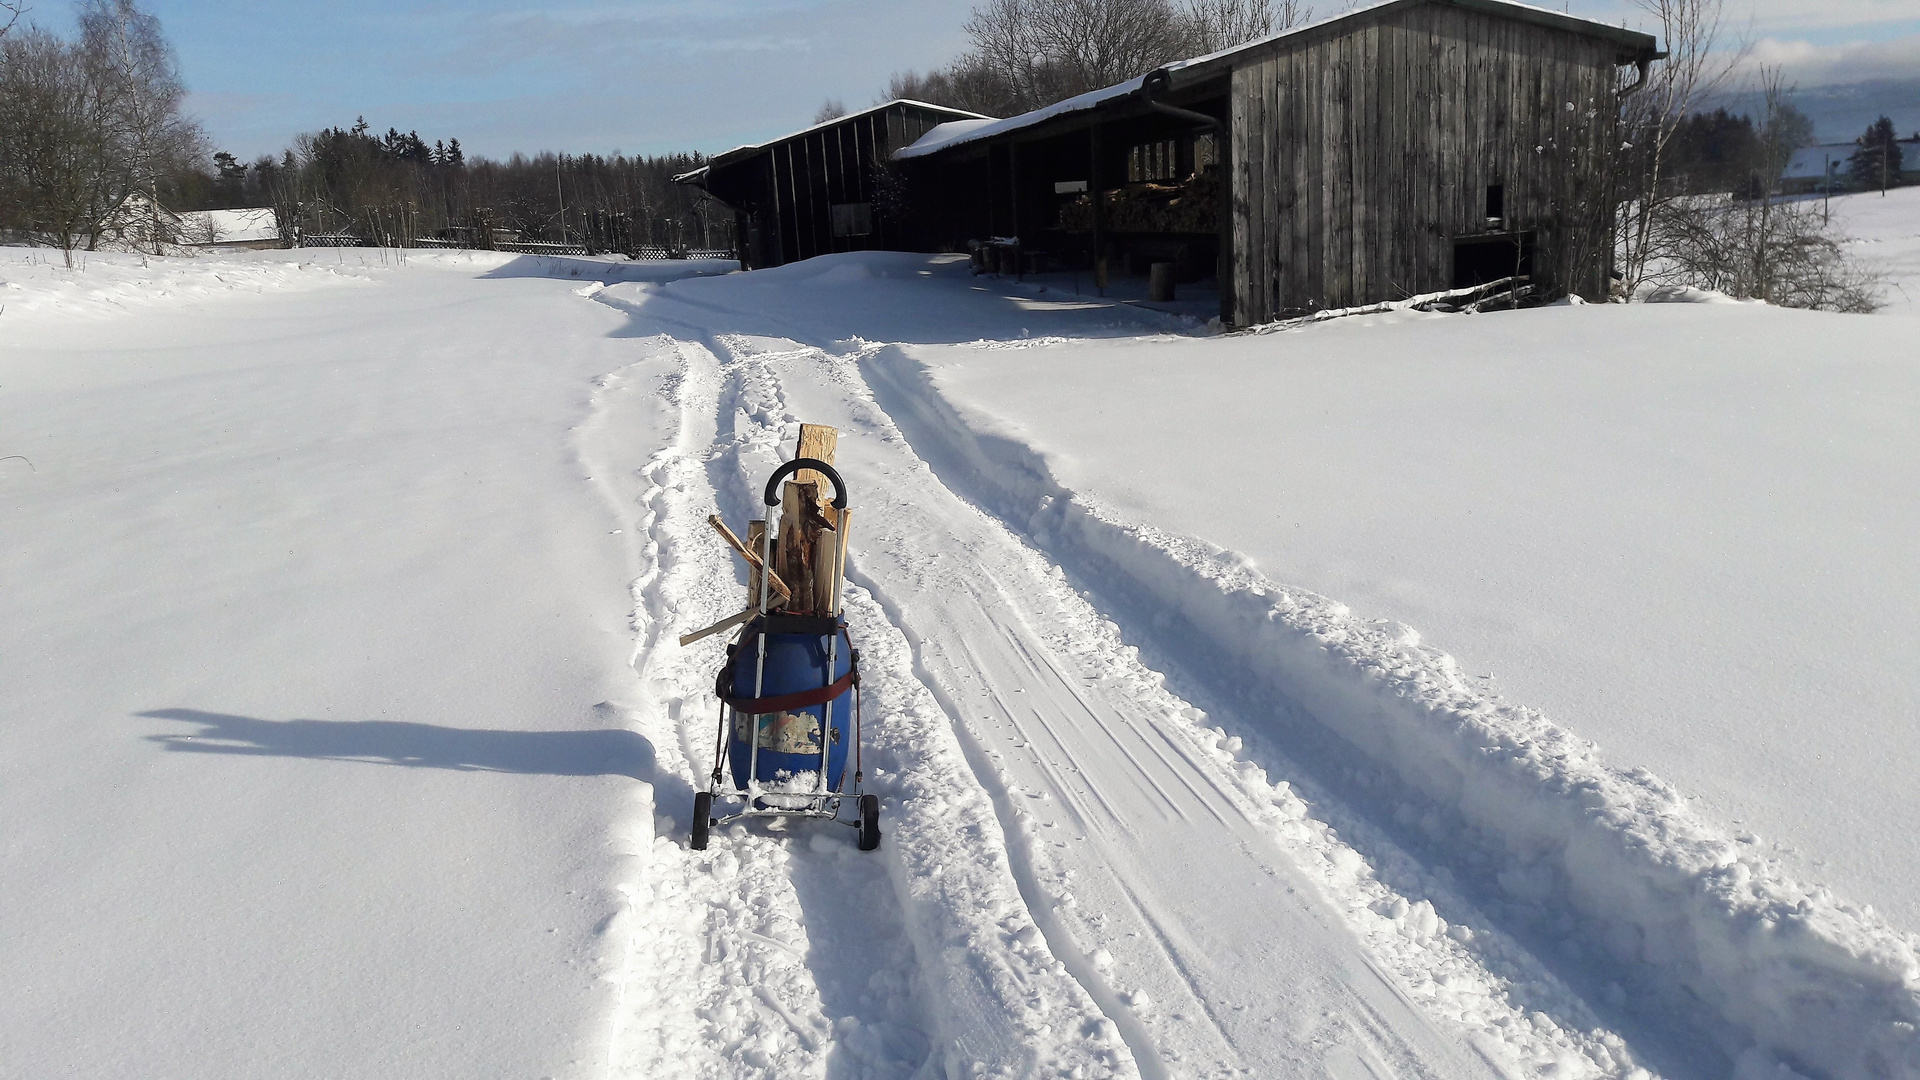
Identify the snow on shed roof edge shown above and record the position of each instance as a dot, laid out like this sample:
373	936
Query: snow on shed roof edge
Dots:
953	134
693	176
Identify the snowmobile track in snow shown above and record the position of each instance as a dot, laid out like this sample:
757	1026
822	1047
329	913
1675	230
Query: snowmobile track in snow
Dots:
1126	880
1108	815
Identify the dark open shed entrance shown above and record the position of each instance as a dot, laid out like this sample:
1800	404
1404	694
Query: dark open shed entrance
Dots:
1107	192
1481	259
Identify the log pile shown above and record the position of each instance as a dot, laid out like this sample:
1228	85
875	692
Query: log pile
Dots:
809	549
1188	207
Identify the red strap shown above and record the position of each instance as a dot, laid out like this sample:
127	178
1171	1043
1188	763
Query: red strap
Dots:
789	702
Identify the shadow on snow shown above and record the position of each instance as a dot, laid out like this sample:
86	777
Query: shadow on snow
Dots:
604	752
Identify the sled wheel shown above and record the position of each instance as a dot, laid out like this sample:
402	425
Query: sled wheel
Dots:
869	822
702	820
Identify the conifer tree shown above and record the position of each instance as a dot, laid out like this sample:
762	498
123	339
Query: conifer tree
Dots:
1876	164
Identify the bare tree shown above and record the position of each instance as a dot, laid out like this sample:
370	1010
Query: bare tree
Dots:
135	69
830	109
59	175
1213	25
1048	50
1760	247
1696	65
967	83
10	12
1027	54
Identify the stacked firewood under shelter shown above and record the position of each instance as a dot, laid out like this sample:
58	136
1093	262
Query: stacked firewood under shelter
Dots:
1185	206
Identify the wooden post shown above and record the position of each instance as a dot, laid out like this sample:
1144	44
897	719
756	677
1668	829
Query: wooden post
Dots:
1013	203
806	550
756	535
840	558
1094	182
793	547
817	441
748	553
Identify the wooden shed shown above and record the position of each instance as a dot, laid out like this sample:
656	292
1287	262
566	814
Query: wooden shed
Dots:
1402	148
815	191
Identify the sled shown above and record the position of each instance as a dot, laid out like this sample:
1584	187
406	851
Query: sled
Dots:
789	690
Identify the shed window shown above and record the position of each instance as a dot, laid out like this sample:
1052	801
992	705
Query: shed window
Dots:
852	219
1152	161
1206	151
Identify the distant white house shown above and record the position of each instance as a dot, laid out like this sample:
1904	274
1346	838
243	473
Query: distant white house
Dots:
137	223
251	227
139	218
1824	167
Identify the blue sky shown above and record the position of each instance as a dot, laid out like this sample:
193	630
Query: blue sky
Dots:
651	76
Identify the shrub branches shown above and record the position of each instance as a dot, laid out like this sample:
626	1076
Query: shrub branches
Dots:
85	125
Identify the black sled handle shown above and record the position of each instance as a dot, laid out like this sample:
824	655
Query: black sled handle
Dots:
794	466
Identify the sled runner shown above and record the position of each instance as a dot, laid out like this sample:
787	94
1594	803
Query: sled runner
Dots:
790	687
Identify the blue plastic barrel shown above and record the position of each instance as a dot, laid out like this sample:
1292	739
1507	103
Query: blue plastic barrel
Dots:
790	739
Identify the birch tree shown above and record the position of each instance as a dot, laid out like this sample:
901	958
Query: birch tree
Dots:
134	67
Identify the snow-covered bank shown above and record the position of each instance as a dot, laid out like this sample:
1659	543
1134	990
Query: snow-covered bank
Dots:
1372	434
310	624
38	288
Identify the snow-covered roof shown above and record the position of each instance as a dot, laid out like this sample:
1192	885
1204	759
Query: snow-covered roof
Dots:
240	226
955	132
721	159
943	135
952	134
1812	162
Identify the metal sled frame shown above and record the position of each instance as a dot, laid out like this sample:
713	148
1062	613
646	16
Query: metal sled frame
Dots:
821	802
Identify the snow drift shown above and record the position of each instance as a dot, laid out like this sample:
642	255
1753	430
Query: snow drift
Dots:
1786	976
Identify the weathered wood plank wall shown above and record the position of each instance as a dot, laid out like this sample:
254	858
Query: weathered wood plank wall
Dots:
812	172
1358	158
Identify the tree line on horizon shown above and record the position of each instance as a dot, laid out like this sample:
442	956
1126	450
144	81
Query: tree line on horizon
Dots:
395	189
92	127
94	144
1727	152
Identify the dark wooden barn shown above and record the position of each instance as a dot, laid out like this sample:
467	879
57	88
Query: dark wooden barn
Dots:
1399	149
815	192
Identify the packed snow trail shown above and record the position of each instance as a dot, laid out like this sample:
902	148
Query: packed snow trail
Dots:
1146	864
781	951
1188	897
723	974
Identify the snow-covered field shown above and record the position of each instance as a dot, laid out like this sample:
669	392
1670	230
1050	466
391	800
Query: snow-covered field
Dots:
1231	697
1884	230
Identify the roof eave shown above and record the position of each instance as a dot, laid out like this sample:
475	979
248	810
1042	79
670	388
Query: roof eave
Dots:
1639	46
741	153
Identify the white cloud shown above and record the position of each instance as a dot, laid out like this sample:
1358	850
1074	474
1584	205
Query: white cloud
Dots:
1808	64
1772	16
